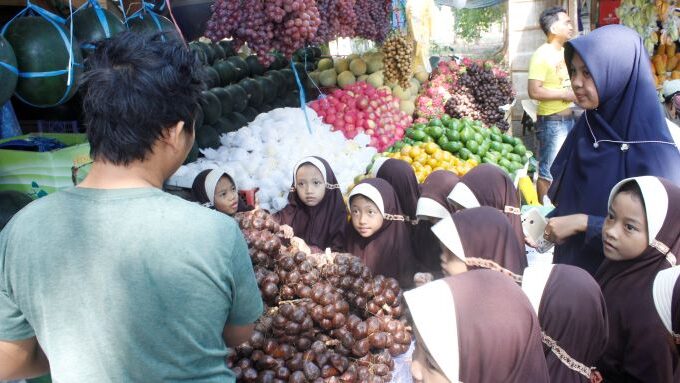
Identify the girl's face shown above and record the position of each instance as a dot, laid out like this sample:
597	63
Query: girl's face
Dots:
226	196
424	369
451	265
310	185
366	217
583	84
624	233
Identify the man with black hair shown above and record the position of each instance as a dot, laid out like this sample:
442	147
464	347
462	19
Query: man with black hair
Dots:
115	280
549	85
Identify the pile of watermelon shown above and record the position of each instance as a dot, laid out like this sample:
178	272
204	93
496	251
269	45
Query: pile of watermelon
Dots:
241	88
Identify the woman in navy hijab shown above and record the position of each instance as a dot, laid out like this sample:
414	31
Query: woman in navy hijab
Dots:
621	134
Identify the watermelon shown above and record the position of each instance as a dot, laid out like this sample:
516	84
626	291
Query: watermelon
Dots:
239	97
293	99
317	52
226	124
223	125
225	99
230	123
238	119
289	78
207	137
212	77
280	62
280	81
269	87
254	66
253	90
145	22
250	113
226	71
39	47
219	51
8	79
265	108
10	203
241	67
209	52
228	48
195	47
92	24
212	108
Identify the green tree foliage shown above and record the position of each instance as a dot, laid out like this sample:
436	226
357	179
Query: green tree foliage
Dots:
471	23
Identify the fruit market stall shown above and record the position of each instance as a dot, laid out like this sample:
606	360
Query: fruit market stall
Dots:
273	96
327	318
658	23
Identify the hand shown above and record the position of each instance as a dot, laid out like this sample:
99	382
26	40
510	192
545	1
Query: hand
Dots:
420	279
301	245
559	229
569	95
530	242
287	231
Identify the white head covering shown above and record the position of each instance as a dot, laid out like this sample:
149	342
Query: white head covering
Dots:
664	283
462	195
671	87
377	163
433	310
534	281
656	202
370	192
447	233
314	161
211	181
427	207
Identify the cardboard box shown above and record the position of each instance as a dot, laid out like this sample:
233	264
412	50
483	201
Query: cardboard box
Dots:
39	174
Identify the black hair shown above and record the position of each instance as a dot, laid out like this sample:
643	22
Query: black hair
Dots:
198	187
669	98
632	188
550	17
134	87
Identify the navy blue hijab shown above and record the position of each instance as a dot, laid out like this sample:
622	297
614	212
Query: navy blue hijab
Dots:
629	110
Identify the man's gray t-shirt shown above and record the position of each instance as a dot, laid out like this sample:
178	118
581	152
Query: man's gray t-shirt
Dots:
127	285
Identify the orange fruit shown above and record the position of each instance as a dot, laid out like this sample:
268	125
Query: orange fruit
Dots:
430	147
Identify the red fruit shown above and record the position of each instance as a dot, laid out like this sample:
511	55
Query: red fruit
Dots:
311	371
361	348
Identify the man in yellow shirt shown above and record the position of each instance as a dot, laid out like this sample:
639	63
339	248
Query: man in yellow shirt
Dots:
549	85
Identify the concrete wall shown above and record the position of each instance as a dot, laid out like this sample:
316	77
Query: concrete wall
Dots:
524	36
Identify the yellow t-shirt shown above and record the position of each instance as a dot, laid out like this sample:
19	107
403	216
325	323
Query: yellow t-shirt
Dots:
547	65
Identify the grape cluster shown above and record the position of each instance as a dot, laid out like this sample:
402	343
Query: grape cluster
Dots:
373	19
479	94
398	59
337	20
281	25
327	319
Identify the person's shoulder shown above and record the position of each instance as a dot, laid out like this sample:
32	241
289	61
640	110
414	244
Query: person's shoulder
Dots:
540	54
39	207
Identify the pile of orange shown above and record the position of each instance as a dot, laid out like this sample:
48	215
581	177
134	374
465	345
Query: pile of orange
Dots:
428	157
